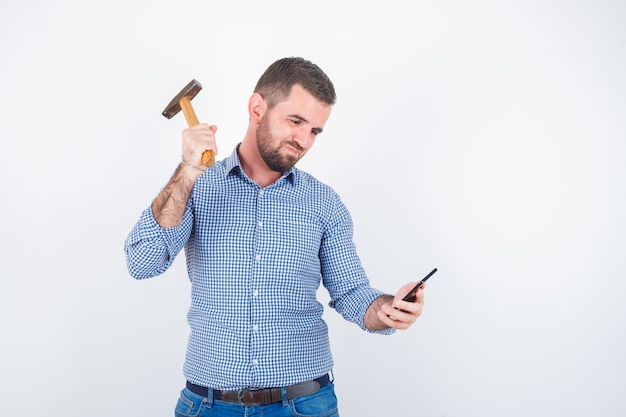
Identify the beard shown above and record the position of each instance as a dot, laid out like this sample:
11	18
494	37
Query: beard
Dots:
271	152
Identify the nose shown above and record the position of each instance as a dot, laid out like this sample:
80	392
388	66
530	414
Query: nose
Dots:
303	138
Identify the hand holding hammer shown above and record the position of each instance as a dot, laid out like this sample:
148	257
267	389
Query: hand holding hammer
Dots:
182	101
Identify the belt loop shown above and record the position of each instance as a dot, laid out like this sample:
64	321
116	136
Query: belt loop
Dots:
332	376
209	398
283	395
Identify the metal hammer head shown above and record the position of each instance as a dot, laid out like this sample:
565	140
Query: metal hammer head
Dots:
189	91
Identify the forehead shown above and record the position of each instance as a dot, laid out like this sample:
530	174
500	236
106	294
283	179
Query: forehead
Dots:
304	104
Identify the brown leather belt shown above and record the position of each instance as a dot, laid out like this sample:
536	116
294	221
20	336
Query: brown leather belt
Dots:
262	396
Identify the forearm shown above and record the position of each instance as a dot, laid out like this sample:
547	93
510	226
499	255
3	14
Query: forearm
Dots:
169	206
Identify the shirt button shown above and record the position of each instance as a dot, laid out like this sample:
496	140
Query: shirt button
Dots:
255	362
255	327
261	192
260	224
258	257
255	293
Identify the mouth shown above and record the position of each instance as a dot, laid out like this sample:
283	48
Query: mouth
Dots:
294	149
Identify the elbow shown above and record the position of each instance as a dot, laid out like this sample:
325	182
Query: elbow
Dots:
137	273
143	265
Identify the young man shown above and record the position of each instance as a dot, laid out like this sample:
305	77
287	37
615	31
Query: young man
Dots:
259	236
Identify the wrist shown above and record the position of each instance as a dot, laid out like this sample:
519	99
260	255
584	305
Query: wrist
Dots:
192	166
372	320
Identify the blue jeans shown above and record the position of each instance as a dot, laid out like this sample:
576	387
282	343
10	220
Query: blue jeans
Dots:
321	404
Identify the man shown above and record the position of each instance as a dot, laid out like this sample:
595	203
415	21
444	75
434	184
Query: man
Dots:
259	235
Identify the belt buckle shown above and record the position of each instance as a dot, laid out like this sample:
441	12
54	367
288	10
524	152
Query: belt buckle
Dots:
242	392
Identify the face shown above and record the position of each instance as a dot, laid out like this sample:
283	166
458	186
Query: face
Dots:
288	130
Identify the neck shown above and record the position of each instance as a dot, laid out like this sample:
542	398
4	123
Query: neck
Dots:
253	164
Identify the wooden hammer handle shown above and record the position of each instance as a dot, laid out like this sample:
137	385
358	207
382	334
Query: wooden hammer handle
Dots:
208	157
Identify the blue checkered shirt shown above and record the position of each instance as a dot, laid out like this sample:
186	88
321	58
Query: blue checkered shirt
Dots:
255	259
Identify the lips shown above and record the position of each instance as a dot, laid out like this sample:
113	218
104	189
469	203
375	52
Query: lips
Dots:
294	148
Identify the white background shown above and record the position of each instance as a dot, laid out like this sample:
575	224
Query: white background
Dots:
483	138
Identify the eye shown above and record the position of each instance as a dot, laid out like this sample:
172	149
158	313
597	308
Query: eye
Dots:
295	122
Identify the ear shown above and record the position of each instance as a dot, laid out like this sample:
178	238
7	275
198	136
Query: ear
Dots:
257	106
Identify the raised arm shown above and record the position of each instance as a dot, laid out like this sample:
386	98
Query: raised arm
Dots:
164	228
169	206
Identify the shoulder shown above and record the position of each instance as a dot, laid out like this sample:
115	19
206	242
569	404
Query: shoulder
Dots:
322	196
312	185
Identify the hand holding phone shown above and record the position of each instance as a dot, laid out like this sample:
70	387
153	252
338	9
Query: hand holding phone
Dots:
410	297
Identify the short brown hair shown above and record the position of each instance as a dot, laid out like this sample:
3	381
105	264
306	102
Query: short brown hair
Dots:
276	82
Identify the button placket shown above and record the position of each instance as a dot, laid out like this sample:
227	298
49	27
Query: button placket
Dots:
256	309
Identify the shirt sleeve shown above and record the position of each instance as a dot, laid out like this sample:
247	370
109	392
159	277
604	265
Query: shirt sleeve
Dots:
151	249
342	272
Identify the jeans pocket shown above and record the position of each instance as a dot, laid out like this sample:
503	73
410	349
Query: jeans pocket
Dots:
321	404
189	404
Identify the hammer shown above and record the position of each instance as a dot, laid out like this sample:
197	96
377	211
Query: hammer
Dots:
183	101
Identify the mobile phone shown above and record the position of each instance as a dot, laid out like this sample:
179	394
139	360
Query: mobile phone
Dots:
411	295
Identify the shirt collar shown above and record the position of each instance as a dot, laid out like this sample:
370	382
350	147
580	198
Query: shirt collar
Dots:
233	164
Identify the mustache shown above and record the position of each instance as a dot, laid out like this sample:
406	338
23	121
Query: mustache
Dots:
294	145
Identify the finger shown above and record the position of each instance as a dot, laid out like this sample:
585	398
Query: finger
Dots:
198	140
398	318
202	127
392	320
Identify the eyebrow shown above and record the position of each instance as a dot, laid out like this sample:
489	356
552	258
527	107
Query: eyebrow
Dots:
316	130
